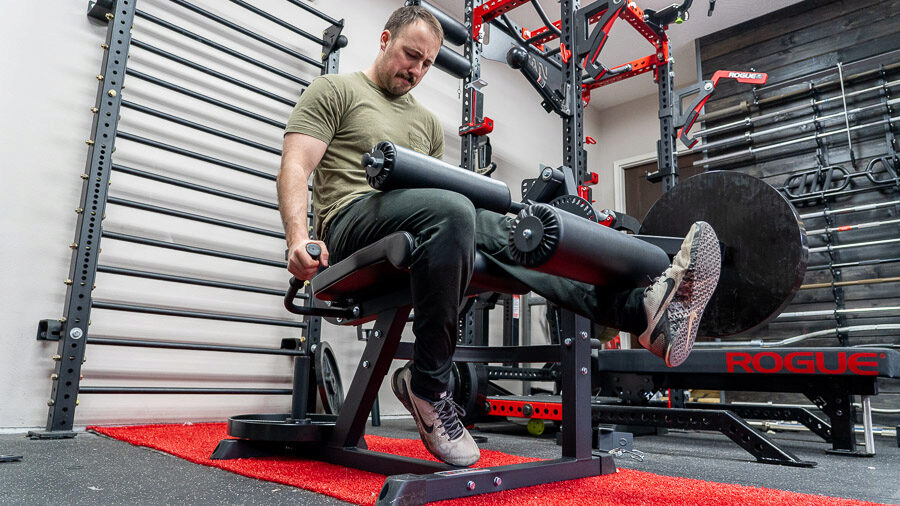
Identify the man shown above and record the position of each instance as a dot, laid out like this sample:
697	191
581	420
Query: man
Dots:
340	117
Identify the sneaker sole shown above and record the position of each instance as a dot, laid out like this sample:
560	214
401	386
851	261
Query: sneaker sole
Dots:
703	270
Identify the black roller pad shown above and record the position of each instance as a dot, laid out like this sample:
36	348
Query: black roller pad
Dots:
764	245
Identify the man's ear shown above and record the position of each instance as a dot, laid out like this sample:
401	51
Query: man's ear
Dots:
385	38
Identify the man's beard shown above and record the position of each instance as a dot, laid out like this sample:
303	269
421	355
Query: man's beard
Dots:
398	90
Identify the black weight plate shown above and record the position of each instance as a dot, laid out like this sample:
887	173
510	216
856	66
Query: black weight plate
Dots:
765	251
328	379
468	383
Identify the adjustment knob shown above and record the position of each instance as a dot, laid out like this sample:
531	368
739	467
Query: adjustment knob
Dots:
369	160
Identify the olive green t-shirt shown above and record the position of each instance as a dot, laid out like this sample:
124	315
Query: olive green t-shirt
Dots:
352	114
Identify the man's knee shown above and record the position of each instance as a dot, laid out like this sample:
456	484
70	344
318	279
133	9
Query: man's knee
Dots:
453	210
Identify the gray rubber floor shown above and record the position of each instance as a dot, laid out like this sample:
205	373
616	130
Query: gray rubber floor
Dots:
91	469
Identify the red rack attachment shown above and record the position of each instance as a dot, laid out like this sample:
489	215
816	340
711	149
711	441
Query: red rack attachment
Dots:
706	91
498	406
485	127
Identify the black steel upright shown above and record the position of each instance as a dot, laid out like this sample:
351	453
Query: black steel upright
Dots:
473	108
575	354
333	42
667	170
472	112
573	120
91	210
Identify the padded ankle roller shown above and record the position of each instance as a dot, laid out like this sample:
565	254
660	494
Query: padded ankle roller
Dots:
553	241
390	167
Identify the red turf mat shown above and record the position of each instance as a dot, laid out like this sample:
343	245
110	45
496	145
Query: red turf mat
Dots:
196	442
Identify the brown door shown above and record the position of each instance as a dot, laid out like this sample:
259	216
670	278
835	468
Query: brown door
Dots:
640	194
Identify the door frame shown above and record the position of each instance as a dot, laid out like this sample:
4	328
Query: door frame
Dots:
619	167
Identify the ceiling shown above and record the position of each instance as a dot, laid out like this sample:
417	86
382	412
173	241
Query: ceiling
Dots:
625	44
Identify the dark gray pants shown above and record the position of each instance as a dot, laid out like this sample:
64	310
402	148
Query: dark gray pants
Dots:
448	229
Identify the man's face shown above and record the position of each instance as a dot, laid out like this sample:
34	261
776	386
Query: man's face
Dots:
407	57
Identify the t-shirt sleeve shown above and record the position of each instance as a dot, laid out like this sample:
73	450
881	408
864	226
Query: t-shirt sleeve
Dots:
318	112
437	139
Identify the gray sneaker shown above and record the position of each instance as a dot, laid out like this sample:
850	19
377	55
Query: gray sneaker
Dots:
674	303
438	422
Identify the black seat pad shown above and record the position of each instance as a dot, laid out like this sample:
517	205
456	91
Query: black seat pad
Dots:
383	266
368	271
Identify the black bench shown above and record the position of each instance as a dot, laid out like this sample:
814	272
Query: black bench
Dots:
373	284
829	377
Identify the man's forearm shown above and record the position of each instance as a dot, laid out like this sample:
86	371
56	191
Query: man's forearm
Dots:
293	201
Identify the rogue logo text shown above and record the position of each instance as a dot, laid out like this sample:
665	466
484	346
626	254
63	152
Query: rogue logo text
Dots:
803	362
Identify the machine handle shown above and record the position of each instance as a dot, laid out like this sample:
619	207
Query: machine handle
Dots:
314	250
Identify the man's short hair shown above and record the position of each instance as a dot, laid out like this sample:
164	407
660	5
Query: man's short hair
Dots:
410	14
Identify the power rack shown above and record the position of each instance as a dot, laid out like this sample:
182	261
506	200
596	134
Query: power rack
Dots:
556	75
565	75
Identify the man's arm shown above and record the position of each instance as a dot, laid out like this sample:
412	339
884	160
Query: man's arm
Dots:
300	155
